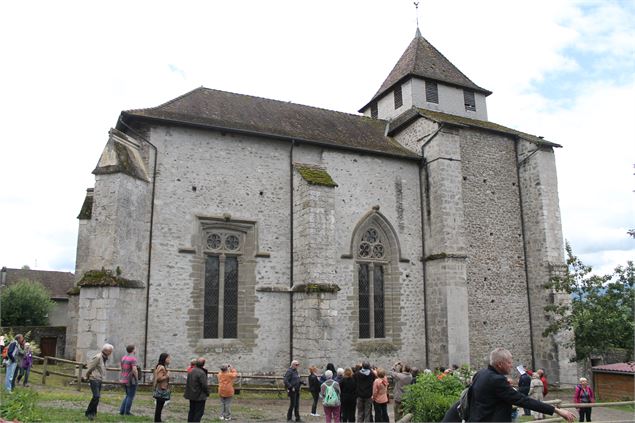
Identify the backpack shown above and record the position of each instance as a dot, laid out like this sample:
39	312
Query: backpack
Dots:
5	352
331	399
464	404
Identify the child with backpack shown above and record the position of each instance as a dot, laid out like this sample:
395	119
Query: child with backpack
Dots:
330	394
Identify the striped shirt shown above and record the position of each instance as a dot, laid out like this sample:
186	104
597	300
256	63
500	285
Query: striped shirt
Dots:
127	364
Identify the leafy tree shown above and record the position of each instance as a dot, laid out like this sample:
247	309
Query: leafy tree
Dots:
25	303
599	309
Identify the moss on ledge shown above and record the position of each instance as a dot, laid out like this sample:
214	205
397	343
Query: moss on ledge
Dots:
107	278
73	291
316	176
316	288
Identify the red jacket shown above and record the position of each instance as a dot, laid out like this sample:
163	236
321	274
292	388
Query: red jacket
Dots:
543	379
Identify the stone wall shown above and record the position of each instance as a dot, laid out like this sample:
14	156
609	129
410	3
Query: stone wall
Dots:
445	251
497	286
110	315
208	174
467	195
544	254
71	328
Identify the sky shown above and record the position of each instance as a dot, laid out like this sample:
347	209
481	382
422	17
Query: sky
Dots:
561	69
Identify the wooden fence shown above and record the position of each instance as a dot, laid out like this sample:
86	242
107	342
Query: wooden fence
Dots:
257	383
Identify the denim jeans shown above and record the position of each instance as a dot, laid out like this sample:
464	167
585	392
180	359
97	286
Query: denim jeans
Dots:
225	407
95	387
126	404
8	380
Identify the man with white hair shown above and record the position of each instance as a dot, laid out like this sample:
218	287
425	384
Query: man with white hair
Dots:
95	375
491	396
292	382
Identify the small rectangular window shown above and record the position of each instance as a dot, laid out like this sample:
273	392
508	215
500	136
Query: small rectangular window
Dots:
398	97
432	92
470	102
373	110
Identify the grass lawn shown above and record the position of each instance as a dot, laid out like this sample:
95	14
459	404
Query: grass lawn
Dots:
60	401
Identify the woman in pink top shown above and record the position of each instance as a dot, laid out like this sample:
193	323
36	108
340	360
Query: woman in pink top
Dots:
380	396
584	395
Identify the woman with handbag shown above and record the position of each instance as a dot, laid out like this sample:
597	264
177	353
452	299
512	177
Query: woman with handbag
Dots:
161	385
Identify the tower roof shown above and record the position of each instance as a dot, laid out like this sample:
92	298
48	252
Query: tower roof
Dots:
422	60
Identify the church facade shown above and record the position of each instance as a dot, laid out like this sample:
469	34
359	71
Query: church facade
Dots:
254	231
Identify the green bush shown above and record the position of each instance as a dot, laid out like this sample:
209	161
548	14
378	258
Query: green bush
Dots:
430	398
25	303
19	406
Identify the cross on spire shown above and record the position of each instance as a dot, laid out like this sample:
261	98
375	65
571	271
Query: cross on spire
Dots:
416	3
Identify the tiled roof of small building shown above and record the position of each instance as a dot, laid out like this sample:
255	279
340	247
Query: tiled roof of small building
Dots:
439	117
223	110
422	60
616	367
58	283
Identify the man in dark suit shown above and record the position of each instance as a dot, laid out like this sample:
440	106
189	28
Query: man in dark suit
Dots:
492	396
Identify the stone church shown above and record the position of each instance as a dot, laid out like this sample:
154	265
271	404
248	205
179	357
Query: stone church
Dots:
254	231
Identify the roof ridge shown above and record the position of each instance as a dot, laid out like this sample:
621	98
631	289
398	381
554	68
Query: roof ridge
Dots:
452	63
282	101
483	124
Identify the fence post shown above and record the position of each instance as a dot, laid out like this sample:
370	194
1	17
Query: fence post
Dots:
44	369
78	369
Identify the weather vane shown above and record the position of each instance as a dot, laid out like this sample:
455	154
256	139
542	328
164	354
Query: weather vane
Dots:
416	3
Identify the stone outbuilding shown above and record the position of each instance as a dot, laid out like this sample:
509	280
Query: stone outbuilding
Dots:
258	231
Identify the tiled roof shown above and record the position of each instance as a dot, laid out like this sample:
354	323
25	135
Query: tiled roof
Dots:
423	60
440	117
616	367
56	282
223	110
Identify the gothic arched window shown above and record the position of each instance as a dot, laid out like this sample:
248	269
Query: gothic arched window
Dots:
371	268
222	249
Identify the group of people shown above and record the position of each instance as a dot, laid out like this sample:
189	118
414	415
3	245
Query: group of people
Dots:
17	357
345	392
196	387
534	385
491	396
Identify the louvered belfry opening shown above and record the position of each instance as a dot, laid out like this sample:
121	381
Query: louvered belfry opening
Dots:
432	92
470	102
398	97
